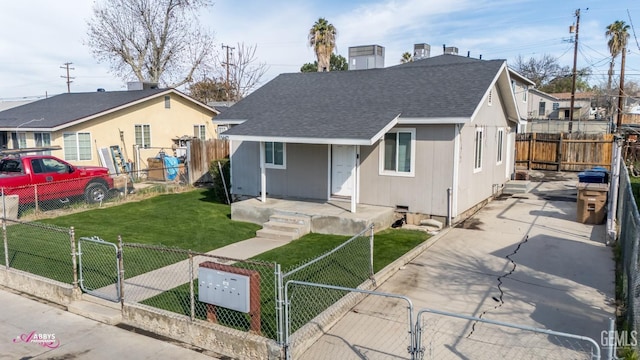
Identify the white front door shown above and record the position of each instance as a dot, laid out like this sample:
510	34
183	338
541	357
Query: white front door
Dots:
343	163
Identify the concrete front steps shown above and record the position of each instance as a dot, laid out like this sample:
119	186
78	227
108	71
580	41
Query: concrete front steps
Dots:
285	227
517	187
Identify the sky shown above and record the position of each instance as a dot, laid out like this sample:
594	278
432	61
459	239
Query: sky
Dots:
40	36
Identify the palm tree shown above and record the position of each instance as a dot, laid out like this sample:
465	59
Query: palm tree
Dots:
322	37
618	34
406	57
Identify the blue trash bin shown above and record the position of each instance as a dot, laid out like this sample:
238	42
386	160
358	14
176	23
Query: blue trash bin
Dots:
602	170
592	177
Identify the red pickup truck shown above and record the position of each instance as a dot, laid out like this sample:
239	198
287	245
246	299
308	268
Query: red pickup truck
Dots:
44	177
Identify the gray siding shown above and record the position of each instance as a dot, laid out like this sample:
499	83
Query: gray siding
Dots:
305	175
245	179
426	192
474	187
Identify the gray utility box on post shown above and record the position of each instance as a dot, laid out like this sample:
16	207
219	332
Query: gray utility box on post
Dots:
224	289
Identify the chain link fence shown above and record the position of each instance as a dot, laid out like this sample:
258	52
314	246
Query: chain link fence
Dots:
40	249
628	284
349	265
167	278
33	202
443	335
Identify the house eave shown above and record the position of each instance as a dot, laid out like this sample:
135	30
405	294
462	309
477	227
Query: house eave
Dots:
229	121
300	140
433	121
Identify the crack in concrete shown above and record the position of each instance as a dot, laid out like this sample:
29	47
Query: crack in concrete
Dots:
500	299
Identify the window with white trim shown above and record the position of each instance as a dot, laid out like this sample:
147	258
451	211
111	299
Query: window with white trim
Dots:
397	152
500	145
143	135
167	102
19	140
200	132
77	146
477	163
43	139
275	155
489	99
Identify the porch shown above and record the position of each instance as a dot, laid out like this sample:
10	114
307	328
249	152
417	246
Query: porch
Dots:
332	217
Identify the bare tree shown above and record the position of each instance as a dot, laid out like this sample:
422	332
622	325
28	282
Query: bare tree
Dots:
540	71
158	41
244	73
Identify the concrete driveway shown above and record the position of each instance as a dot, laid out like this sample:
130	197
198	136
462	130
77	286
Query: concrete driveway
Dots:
522	259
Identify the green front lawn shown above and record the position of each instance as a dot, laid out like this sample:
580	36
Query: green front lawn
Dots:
190	220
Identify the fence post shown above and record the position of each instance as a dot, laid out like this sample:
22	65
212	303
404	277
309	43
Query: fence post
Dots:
532	141
35	194
121	270
279	308
611	350
371	252
74	254
192	300
4	237
559	153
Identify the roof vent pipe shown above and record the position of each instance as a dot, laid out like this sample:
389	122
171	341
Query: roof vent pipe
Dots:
444	48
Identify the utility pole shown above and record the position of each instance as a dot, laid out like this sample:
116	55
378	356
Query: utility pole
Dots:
227	64
66	66
621	91
575	62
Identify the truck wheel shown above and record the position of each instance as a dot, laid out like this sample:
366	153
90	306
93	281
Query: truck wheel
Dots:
95	192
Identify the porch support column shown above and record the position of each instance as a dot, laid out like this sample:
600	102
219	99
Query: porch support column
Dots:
263	175
354	182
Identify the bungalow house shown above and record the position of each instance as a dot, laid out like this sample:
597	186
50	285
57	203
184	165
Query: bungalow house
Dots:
81	123
434	137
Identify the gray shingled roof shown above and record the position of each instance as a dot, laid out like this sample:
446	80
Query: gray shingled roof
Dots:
359	104
64	108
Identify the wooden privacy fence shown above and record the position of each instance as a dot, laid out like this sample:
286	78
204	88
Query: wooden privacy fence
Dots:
202	153
563	152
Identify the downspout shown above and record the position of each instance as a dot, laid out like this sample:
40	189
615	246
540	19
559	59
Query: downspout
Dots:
449	203
456	166
263	175
614	186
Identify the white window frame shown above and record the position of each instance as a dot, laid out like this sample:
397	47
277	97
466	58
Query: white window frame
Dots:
200	131
478	140
21	140
142	133
500	146
412	164
489	98
87	156
271	164
44	143
167	101
525	92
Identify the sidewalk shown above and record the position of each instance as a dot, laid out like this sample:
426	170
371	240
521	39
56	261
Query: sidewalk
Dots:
558	275
74	337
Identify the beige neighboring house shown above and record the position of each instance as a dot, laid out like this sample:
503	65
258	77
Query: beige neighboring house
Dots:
81	123
557	106
520	87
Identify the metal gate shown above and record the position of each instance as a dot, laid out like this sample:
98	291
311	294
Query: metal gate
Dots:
331	322
445	335
311	309
99	268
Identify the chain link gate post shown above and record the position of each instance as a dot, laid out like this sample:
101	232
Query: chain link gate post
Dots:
279	305
74	254
121	271
192	295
